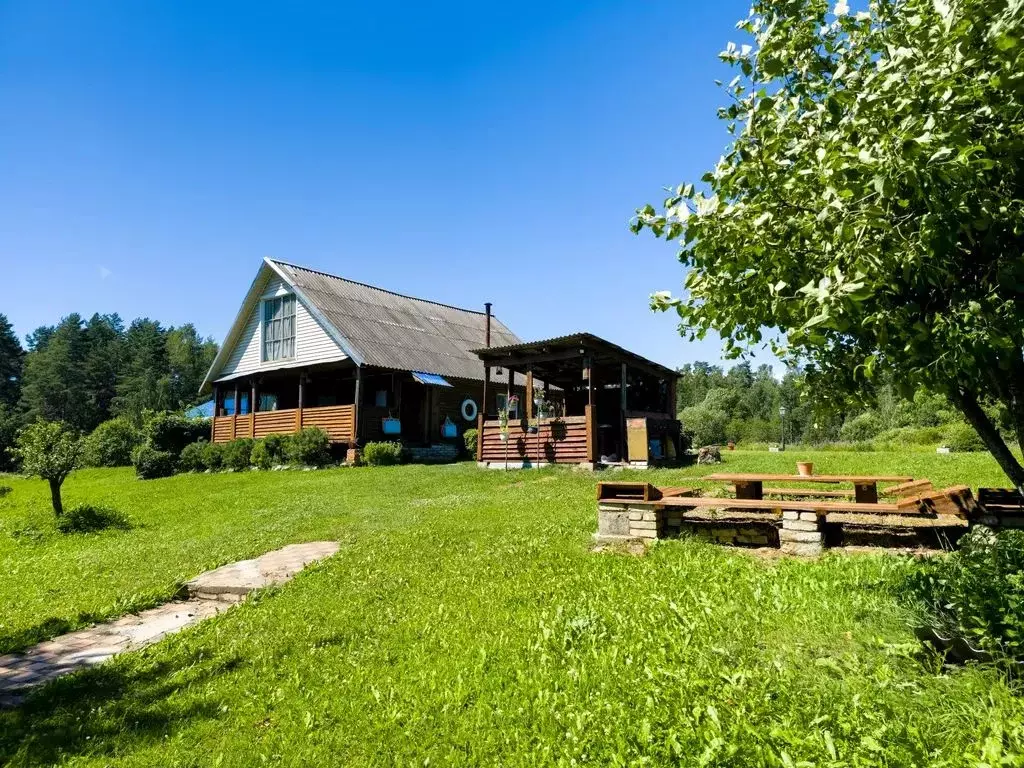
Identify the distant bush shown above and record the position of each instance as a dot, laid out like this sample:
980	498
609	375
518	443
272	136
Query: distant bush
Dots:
192	457
470	436
111	444
213	456
88	518
861	427
238	454
171	432
960	437
10	423
977	592
4	490
150	463
311	446
705	425
382	454
904	437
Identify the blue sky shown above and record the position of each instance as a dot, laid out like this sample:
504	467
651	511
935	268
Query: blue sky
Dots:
153	152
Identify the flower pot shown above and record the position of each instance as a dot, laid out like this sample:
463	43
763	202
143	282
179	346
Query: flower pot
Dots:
805	468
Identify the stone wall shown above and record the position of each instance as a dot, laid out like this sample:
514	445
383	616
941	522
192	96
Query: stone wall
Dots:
630	522
440	453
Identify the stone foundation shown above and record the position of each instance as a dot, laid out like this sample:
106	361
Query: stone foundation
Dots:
440	453
644	522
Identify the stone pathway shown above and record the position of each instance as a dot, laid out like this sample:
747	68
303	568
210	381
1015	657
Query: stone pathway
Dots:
209	594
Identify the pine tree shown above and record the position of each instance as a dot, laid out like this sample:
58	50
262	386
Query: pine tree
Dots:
11	361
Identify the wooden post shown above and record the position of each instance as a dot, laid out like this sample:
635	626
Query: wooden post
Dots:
588	372
302	393
253	405
234	413
672	409
487	381
623	403
213	421
480	437
529	392
355	412
590	413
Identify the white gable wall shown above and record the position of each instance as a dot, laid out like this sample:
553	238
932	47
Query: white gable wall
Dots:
312	344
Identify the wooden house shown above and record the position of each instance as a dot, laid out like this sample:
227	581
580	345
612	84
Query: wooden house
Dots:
312	349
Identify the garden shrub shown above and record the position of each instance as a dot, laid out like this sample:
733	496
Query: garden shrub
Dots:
862	427
213	456
470	436
310	446
171	432
193	457
260	456
961	437
111	444
277	448
977	592
238	454
150	463
4	490
382	454
89	518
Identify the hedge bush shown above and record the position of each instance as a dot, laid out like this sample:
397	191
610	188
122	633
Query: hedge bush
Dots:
238	454
213	456
977	592
150	463
192	457
171	432
310	446
470	436
960	437
111	444
382	454
89	518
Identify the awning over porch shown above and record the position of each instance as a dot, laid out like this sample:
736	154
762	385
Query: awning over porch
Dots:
430	379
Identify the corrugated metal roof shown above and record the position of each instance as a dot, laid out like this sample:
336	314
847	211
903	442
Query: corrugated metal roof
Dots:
403	333
496	352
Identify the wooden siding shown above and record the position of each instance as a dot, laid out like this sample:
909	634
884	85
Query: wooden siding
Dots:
558	441
335	420
312	344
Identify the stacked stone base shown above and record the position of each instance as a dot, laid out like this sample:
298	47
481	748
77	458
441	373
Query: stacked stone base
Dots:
801	534
440	453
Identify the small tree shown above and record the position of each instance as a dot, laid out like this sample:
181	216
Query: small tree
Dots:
49	450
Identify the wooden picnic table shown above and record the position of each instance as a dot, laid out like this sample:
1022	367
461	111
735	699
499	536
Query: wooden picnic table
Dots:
751	486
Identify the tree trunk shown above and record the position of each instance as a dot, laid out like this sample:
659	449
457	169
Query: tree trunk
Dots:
58	506
968	404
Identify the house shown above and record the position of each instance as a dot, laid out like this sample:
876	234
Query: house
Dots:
312	349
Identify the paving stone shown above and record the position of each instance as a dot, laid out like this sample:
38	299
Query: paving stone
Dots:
95	645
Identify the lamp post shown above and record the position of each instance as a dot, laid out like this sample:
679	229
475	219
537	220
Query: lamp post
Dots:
782	415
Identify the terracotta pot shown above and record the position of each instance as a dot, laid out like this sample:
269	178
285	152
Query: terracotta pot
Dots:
805	468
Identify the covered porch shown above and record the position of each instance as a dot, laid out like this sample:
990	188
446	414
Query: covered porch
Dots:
352	404
612	406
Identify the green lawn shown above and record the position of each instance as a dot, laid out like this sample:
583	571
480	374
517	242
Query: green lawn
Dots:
466	622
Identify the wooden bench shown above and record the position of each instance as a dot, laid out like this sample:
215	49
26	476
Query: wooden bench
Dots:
750	486
957	501
807	493
1001	501
607	491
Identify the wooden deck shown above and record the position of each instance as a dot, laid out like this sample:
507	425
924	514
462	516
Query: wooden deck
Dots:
337	421
555	441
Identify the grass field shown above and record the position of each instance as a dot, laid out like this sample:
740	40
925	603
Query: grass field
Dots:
466	622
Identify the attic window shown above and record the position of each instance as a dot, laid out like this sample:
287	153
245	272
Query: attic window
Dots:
279	328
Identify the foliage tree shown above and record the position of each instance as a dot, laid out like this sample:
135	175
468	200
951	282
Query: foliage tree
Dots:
49	450
869	206
11	360
54	386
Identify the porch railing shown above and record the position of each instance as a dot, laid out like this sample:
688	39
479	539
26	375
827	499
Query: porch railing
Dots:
338	421
566	440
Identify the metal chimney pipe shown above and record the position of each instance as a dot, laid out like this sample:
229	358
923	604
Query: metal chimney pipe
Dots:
487	324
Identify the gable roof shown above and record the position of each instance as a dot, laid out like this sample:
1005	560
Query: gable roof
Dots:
381	328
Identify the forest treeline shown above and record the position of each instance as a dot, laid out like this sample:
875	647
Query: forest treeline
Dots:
85	371
742	405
